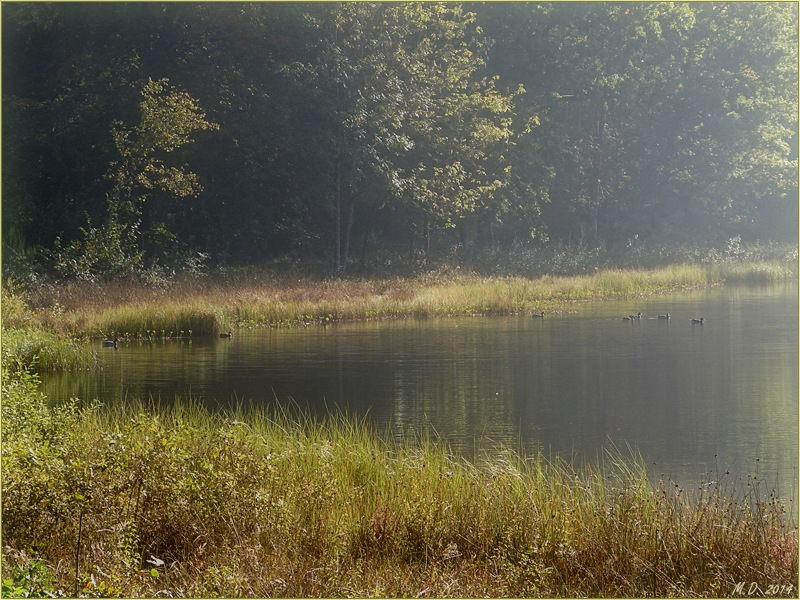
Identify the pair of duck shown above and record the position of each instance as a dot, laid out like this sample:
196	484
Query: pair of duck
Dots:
639	316
694	321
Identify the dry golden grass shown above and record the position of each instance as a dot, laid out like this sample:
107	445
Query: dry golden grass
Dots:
185	503
205	307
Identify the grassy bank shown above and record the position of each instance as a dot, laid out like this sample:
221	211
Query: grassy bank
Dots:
202	307
178	502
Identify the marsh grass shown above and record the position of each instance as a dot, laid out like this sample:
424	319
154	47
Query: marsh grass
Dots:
158	319
183	502
46	351
755	272
202	307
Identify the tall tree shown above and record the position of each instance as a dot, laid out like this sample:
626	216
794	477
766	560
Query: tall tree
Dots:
406	123
168	120
653	118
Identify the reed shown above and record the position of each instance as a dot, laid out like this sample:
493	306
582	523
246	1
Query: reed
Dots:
158	319
185	502
194	308
755	272
42	350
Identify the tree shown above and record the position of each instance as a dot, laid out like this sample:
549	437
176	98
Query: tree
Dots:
393	127
659	119
168	120
741	99
404	121
62	86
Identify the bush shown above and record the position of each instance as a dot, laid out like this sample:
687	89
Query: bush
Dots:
103	254
30	579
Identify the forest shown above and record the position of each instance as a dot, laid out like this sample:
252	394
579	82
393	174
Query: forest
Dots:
364	137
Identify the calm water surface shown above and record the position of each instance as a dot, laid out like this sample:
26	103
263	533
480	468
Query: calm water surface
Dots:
689	398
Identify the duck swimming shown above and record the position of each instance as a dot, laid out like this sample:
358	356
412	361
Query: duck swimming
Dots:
666	316
538	315
226	335
701	320
110	343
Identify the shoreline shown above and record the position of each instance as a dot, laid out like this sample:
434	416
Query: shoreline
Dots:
254	503
58	323
136	500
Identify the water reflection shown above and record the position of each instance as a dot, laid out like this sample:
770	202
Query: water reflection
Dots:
722	395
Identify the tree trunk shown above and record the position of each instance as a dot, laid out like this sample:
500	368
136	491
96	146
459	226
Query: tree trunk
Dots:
597	184
337	254
346	243
363	260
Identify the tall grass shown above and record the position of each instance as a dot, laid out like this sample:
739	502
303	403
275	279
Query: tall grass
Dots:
756	272
45	351
182	502
194	308
158	319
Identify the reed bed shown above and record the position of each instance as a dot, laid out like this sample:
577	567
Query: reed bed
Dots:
202	307
158	319
46	351
141	501
755	272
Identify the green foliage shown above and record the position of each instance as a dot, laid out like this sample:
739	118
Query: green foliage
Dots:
375	132
642	111
90	588
407	124
34	457
43	350
33	580
104	253
168	120
15	314
20	260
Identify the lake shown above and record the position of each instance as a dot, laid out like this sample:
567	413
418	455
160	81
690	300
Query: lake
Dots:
694	400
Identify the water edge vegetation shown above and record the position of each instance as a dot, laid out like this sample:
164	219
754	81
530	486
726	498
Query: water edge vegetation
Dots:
138	500
51	322
130	500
